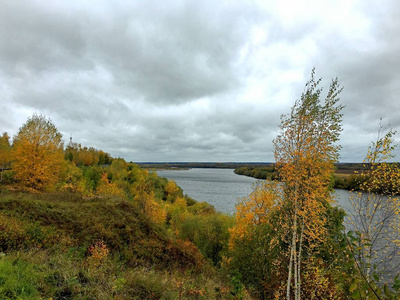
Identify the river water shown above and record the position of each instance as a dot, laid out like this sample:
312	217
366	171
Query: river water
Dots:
219	187
222	188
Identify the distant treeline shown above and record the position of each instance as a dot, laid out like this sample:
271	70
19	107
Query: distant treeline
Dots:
189	165
347	175
268	172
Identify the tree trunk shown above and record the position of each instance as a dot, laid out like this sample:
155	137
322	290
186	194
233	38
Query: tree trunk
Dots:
290	268
298	286
293	260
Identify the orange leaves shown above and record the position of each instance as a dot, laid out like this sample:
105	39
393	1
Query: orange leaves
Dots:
254	210
98	253
38	154
305	152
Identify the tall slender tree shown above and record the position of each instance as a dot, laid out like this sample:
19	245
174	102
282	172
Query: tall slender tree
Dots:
305	153
375	213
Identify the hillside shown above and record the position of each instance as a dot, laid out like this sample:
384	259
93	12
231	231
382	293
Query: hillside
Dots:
76	223
63	246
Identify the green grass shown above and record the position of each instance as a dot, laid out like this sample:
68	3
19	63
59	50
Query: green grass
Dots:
18	279
44	252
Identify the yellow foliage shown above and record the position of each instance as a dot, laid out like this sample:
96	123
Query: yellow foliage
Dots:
376	210
253	210
72	179
177	213
181	203
5	153
305	153
5	150
171	189
83	156
155	211
38	153
107	188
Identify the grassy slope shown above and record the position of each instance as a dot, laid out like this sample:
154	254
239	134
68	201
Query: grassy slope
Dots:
44	252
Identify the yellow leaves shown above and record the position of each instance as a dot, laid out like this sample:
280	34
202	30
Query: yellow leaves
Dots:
305	152
180	202
171	190
38	154
381	176
375	210
84	156
155	211
253	210
141	188
72	179
108	188
5	150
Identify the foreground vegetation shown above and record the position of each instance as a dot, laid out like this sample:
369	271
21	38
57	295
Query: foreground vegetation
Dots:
95	227
61	246
76	223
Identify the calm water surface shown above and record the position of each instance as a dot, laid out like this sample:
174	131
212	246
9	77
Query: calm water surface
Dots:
219	187
222	187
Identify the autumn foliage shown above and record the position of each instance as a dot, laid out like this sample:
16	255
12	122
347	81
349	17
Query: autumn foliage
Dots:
98	253
5	153
38	153
375	213
137	235
287	224
254	210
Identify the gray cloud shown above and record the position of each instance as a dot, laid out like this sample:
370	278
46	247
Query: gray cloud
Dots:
163	53
194	81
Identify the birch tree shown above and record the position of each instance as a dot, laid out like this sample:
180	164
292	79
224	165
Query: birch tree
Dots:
375	213
305	153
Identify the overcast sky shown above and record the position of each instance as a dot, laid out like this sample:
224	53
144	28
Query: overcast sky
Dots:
196	80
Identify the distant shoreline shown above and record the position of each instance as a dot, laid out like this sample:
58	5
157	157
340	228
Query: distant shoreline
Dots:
346	168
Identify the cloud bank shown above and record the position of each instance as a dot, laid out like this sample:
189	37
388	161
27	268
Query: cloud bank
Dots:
195	81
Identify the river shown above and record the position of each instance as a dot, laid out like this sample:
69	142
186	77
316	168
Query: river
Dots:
222	188
219	187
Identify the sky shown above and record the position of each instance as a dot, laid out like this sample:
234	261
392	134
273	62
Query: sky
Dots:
202	81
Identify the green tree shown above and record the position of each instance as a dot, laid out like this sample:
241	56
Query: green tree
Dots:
38	153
